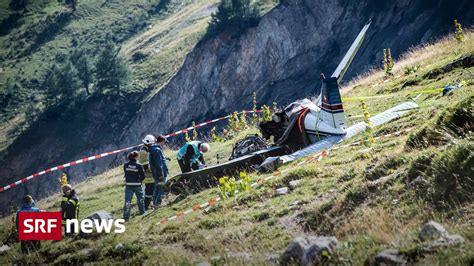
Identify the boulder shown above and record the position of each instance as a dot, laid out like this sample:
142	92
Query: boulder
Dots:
432	230
294	183
282	191
100	215
445	241
309	250
390	257
4	249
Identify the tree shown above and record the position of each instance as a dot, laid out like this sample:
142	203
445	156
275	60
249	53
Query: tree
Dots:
111	70
234	17
50	86
67	81
84	69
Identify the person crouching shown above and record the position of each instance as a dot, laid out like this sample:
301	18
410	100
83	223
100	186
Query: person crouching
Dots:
134	175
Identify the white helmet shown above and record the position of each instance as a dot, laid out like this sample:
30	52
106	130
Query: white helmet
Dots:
149	139
204	147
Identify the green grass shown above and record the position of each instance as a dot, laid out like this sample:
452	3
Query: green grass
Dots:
335	196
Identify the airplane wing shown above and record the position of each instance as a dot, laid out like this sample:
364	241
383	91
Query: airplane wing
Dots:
352	131
347	59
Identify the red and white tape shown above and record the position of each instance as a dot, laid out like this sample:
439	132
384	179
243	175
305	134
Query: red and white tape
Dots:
318	157
105	154
66	165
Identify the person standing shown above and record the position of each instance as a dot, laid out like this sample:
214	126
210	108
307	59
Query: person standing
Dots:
69	207
158	165
134	175
28	205
190	156
149	181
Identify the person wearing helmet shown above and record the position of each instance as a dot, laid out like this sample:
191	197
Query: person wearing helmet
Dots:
69	207
158	165
134	176
190	156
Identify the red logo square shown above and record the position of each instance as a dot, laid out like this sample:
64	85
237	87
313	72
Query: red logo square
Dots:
39	226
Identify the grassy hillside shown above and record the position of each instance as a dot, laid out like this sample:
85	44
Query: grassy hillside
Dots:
364	195
47	32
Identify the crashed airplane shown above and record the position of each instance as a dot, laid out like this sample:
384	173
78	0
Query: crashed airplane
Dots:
302	129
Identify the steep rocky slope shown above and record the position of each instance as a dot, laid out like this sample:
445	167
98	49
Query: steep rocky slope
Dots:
280	59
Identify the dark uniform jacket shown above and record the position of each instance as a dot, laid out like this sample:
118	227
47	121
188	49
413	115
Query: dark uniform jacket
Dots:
158	163
134	173
70	206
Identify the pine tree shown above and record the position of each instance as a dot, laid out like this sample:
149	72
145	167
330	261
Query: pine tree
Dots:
67	81
111	70
84	69
234	17
50	86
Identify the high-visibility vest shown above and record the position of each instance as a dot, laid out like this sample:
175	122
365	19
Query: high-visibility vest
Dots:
143	159
197	153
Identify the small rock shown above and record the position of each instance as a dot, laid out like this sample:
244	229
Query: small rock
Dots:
446	241
216	258
243	255
119	246
318	246
432	230
308	251
390	257
295	251
273	258
293	184
282	191
4	249
87	252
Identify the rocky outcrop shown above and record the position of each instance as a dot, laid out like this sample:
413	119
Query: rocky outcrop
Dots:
312	250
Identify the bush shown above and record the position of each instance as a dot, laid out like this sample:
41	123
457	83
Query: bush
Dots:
233	17
125	251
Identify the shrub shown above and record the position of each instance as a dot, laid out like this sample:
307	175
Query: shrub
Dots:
233	17
458	32
125	251
411	69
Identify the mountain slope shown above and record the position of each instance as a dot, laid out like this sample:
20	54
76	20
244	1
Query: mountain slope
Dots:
280	59
370	198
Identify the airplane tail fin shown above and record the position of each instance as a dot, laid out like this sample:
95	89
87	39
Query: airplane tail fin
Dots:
332	111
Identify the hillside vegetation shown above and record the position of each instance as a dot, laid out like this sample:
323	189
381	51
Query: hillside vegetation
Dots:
370	197
44	37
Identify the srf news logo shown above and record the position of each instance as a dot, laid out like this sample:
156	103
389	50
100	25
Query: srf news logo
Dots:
48	226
